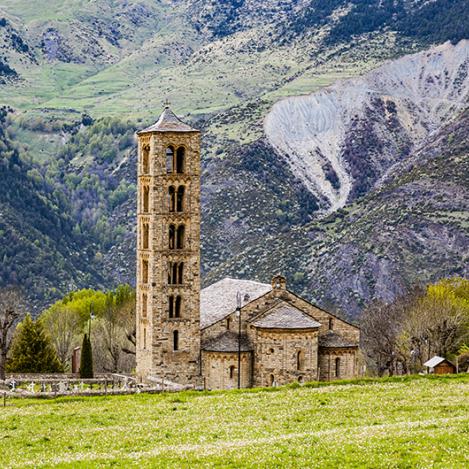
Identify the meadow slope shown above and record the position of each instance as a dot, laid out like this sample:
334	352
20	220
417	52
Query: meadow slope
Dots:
400	422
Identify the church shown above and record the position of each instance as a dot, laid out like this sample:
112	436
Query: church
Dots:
234	333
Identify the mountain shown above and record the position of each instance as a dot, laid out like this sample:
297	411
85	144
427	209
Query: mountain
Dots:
277	175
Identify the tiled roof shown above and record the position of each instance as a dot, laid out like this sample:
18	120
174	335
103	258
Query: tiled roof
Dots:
168	122
332	339
286	316
226	342
219	299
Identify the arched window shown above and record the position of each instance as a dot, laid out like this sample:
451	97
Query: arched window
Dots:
180	279
232	371
271	380
337	367
180	160
300	379
228	323
169	160
171	306
144	271
300	360
146	199
180	237
146	235
146	159
144	338
331	324
178	307
172	199
175	340
144	305
172	237
180	199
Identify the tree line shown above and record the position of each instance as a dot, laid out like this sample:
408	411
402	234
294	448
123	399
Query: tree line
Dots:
102	323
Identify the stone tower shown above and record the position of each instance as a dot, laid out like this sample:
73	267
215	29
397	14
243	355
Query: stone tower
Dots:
168	251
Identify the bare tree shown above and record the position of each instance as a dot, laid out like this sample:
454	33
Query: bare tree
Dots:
63	326
12	311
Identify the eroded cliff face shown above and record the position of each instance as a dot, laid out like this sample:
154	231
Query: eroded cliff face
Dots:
342	140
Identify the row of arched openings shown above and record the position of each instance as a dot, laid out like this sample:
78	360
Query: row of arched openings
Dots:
176	237
175	273
176	198
174	306
175	159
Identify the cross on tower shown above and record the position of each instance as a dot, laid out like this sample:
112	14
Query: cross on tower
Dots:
167	103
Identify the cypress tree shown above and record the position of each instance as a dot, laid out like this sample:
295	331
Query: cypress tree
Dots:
86	359
32	350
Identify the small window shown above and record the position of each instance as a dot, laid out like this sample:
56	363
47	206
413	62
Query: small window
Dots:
271	380
144	305
232	371
171	306
171	199
300	379
180	157
180	237
146	199
146	236
172	237
144	271
271	350
337	367
300	360
169	160
175	340
180	278
146	159
228	323
177	307
180	199
144	338
331	324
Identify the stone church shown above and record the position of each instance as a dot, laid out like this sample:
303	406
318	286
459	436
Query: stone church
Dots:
234	332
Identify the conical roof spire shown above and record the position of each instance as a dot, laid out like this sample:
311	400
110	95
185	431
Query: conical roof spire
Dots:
168	122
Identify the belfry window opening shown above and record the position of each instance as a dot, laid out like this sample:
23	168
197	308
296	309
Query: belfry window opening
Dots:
172	198
146	199
144	271
171	306
169	160
180	199
180	160
172	237
178	306
180	237
146	235
146	159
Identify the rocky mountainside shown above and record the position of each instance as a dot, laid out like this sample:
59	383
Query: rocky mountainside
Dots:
83	76
342	140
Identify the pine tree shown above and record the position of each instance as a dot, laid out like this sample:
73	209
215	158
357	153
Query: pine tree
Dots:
32	350
86	360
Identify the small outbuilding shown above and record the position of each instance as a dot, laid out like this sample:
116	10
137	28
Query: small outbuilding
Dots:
440	366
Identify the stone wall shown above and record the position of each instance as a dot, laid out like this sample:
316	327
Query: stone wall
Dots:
220	370
347	366
276	359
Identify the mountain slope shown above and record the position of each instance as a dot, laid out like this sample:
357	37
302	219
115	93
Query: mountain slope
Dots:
341	140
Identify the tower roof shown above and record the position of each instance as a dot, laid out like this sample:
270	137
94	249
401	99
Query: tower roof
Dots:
168	122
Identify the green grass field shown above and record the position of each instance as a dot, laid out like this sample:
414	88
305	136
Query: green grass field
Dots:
403	422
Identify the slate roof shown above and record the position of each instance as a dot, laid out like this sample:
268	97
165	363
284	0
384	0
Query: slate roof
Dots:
168	122
333	339
227	342
286	316
219	299
436	360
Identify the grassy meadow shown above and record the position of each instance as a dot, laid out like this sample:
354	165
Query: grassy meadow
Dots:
400	422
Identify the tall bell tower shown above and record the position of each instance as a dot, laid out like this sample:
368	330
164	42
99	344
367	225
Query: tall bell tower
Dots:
168	251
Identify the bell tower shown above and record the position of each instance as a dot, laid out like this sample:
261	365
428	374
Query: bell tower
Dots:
168	251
